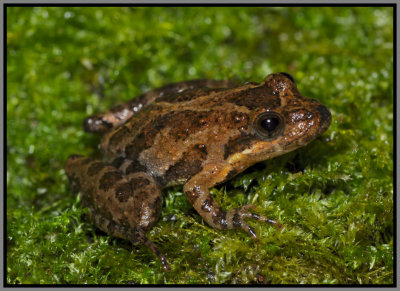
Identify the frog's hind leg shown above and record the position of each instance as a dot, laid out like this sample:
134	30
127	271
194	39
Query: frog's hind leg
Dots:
118	115
126	206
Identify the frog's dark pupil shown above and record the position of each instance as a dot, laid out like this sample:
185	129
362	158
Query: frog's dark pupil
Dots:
270	124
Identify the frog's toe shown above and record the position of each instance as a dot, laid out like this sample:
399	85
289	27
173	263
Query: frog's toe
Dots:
247	228
266	219
139	235
236	217
246	214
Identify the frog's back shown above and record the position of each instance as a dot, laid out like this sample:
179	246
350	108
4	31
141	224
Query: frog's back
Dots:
174	136
106	122
161	106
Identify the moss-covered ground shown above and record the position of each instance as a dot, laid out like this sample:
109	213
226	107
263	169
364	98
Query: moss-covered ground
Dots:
335	196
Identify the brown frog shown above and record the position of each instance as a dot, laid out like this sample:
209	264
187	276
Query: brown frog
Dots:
198	133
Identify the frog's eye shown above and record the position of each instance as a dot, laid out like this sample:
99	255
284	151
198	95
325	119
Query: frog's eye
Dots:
269	125
289	76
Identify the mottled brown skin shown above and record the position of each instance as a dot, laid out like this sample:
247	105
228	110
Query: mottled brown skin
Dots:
198	133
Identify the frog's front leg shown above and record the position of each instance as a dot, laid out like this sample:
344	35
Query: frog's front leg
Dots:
197	191
125	206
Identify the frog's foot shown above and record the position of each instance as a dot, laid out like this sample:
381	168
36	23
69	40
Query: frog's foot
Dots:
135	235
139	235
199	196
235	218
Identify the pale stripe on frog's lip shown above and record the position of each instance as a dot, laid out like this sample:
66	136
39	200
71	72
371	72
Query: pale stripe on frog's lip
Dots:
256	150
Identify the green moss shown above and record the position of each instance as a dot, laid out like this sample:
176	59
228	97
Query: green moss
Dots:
335	196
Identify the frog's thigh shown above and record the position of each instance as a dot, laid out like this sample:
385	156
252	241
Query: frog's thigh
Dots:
104	190
132	201
125	206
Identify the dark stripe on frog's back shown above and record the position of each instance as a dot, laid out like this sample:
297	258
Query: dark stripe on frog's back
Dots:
189	94
184	123
133	131
253	98
145	137
193	89
189	122
166	93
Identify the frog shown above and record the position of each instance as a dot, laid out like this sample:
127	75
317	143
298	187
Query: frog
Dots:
199	134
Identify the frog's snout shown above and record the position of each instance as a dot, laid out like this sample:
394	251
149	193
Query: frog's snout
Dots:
325	118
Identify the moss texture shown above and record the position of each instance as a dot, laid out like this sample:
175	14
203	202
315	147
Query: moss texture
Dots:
335	196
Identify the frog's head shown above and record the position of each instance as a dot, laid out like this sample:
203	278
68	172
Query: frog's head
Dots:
281	120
